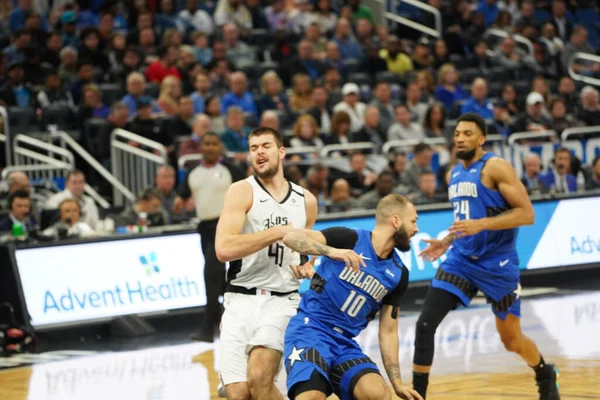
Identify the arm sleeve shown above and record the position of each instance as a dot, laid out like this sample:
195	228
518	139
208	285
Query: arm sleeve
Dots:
393	298
340	238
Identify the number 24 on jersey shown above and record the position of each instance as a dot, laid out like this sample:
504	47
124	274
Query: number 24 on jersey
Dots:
461	210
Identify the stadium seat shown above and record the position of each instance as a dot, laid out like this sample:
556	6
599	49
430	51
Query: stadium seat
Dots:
389	77
468	75
96	137
152	90
111	92
259	38
351	64
60	115
498	74
360	78
22	120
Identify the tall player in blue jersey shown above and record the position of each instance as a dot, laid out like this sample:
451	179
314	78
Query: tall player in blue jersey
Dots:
490	203
321	355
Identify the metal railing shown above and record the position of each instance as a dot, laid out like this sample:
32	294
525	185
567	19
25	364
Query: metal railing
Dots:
6	135
331	148
531	135
135	167
392	15
66	140
579	131
576	76
518	38
394	144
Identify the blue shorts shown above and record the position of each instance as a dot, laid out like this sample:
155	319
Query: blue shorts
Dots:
496	276
311	346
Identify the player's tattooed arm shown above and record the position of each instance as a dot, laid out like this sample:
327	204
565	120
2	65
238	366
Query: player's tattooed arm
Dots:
449	239
304	244
393	372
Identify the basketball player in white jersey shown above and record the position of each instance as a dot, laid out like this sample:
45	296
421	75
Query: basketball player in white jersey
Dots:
262	293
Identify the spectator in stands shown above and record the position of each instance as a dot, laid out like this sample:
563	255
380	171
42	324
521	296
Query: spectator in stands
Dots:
68	65
148	48
382	99
560	119
563	27
333	80
213	110
449	90
90	39
397	60
417	108
235	137
306	133
313	35
200	127
434	124
54	92
426	83
559	178
404	128
502	120
259	21
321	111
383	186
68	21
339	198
566	90
148	202
20	39
490	9
181	124
164	66
397	166
15	93
202	50
317	182
527	18
333	58
85	75
305	63
349	47
441	55
480	58
164	182
276	16
509	95
371	131
340	129
300	17
427	193
372	64
421	56
74	189
19	206
202	86
92	106
361	178
238	52
301	98
590	107
235	12
18	15
144	124
136	86
270	119
352	106
170	92
478	102
196	17
132	62
119	114
540	85
238	95
364	33
70	221
324	16
578	44
531	175
593	181
474	30
512	58
273	96
421	163
553	45
532	119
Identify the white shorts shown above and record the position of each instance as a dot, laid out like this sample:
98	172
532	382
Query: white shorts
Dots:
250	321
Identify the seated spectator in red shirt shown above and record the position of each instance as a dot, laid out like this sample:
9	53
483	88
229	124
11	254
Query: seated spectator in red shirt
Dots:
164	66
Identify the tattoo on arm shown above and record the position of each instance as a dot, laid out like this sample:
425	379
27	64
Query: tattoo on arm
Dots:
449	239
393	371
303	244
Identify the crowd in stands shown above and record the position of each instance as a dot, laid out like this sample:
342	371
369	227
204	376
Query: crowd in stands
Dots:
322	72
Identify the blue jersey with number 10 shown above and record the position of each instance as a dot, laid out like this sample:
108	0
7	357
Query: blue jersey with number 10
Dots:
346	299
471	199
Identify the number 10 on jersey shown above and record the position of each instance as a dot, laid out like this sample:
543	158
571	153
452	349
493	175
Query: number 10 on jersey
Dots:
461	210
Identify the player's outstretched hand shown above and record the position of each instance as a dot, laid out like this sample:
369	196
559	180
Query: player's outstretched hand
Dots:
407	393
435	250
352	260
465	227
305	271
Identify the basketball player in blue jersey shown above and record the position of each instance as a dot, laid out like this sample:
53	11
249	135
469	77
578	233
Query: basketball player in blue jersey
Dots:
490	203
321	355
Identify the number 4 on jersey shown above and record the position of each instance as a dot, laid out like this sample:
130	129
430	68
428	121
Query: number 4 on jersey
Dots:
276	251
461	210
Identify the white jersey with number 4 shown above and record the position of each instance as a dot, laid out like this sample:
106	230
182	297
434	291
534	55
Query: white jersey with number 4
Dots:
269	268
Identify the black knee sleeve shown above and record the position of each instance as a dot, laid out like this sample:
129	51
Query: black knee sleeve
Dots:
437	304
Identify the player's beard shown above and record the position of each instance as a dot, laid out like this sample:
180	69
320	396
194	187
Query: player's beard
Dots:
466	155
267	173
401	239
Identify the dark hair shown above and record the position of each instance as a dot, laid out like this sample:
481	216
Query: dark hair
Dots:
70	200
427	119
148	194
74	172
212	134
421	147
17	194
83	62
563	150
132	49
207	102
384	173
476	118
263	130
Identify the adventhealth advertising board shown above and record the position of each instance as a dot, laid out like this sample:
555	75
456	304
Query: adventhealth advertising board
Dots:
105	279
565	232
